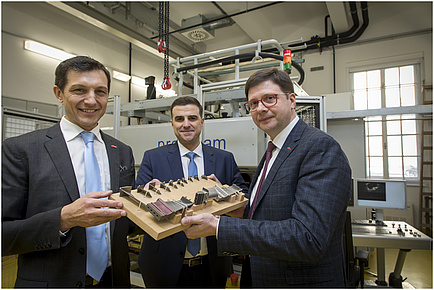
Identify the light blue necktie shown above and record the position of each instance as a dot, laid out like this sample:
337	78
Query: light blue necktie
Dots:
97	256
193	244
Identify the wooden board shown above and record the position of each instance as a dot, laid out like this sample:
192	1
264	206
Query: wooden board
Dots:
161	229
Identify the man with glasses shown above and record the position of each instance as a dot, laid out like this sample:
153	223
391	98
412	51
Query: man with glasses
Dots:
292	228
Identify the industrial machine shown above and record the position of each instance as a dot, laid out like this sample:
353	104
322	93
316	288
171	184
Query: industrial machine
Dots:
228	125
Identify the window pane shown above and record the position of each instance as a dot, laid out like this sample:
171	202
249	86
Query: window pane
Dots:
393	117
410	167
391	76
394	146
410	145
359	80
375	146
374	118
392	97
374	79
409	126
408	116
395	167
376	167
393	127
360	100
406	74
374	98
407	95
375	128
397	89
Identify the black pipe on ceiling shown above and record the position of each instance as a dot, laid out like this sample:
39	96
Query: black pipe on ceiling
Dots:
355	17
361	29
346	37
221	18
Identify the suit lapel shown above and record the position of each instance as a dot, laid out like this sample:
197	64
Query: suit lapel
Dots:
115	167
288	147
58	151
174	161
113	159
208	160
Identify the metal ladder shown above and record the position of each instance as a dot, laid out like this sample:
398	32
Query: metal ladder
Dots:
425	189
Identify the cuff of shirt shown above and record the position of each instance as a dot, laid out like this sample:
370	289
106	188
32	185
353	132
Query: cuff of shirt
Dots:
63	234
217	229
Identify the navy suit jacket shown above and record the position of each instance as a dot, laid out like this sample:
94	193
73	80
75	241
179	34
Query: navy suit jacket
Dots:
160	261
37	181
295	236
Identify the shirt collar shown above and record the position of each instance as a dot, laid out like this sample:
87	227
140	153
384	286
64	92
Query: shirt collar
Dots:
71	130
280	139
183	150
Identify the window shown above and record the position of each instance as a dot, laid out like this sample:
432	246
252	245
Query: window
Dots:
391	140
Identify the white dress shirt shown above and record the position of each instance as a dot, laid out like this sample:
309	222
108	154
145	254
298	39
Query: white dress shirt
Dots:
76	147
278	141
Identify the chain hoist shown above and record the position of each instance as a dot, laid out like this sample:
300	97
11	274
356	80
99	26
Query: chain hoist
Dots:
163	40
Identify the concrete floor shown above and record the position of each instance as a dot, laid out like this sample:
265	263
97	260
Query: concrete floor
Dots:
417	268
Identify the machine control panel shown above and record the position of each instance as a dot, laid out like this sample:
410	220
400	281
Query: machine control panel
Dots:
396	228
392	234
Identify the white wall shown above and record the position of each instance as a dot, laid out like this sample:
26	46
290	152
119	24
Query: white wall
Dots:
383	38
29	76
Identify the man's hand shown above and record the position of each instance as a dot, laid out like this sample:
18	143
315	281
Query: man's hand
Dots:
202	225
214	178
157	182
90	210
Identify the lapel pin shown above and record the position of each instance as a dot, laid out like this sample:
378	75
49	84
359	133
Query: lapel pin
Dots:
289	148
114	146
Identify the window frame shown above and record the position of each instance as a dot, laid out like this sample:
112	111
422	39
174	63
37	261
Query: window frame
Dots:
391	62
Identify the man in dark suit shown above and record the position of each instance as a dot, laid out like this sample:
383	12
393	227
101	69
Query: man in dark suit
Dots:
167	262
47	211
292	227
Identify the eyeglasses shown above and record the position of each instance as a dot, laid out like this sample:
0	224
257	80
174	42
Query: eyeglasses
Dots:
267	100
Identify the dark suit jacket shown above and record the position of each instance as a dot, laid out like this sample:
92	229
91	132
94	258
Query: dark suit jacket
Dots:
295	237
37	181
160	261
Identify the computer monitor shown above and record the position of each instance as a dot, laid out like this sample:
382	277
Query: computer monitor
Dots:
380	194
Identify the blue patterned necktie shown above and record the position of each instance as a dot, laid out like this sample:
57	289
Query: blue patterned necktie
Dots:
97	255
193	245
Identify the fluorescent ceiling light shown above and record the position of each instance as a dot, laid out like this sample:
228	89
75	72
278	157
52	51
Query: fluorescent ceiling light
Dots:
46	50
139	81
121	76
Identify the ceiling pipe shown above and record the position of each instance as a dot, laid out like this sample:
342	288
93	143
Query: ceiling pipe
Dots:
220	18
355	17
361	29
222	23
320	42
219	24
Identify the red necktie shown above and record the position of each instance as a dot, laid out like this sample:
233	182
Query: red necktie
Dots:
270	149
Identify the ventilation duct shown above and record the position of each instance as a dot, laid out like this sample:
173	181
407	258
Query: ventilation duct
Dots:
198	32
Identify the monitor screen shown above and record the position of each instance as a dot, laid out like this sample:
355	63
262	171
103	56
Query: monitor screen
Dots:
381	193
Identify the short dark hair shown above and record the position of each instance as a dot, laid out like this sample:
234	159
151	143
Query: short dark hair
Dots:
80	64
275	75
186	100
